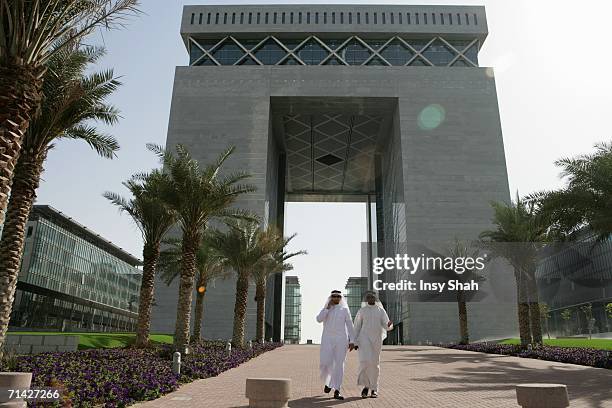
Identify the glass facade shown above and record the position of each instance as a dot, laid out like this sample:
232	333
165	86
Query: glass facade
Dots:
312	50
572	279
354	290
293	310
72	279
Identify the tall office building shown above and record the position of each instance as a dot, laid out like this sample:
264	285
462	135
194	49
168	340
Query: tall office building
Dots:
293	310
355	288
380	104
73	279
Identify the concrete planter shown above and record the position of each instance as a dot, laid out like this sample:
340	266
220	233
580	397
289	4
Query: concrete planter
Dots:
13	381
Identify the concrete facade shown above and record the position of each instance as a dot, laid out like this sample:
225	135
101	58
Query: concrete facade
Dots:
431	183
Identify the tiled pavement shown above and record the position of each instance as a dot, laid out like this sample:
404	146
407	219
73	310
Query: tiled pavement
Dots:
412	376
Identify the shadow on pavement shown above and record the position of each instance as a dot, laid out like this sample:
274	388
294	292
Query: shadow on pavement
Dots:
493	372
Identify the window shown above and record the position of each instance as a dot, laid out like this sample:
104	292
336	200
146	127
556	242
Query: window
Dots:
316	18
224	18
258	18
467	19
333	18
384	18
433	18
358	18
399	15
250	18
200	19
30	229
274	18
307	18
291	20
300	17
475	19
193	17
458	18
217	18
450	18
241	18
324	17
392	18
233	18
367	18
416	18
375	18
407	18
283	18
266	18
341	18
355	53
208	19
350	18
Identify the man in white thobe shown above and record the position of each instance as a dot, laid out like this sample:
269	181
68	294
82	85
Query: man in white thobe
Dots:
336	339
371	327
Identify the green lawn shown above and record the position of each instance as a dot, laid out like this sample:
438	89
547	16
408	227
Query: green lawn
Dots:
104	340
602	344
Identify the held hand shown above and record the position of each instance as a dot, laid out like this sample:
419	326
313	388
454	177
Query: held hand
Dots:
390	323
329	304
351	346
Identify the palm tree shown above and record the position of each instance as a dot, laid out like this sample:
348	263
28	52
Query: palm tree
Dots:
275	261
585	200
153	219
242	250
520	232
196	194
31	32
71	99
465	251
209	267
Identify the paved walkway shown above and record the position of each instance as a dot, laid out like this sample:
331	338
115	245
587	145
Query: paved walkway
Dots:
419	377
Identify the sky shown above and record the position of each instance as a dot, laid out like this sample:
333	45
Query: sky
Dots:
552	74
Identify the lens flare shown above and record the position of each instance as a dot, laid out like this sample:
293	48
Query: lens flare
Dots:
431	117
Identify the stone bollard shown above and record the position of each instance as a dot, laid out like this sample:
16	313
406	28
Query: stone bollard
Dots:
13	381
542	395
268	392
228	348
176	363
250	344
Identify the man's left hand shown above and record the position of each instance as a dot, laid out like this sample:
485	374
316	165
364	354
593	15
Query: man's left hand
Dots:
390	323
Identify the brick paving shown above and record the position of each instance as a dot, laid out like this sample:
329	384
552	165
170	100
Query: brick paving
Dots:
412	376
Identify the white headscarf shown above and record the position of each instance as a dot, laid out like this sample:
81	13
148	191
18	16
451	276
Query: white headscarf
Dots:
342	303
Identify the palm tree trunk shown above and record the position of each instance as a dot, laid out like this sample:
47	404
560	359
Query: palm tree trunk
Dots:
242	293
534	309
26	180
260	298
150	255
183	310
20	96
523	311
199	314
463	318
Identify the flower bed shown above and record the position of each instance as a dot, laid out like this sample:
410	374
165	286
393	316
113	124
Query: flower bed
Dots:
572	355
119	377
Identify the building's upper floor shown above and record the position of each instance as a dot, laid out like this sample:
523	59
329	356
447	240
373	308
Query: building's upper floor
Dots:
386	35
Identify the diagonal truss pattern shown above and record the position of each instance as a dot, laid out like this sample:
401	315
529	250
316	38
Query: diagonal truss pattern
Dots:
312	50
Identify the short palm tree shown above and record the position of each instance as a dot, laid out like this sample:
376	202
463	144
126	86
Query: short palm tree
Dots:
275	261
518	238
153	219
72	99
31	32
464	250
197	194
242	250
585	200
209	267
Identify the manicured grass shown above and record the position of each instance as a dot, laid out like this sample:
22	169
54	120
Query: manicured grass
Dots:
601	344
104	340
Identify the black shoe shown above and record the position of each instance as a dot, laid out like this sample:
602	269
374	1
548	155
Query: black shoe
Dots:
326	389
364	393
337	395
374	394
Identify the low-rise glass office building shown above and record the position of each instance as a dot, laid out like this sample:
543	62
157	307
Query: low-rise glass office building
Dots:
575	282
72	279
293	310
